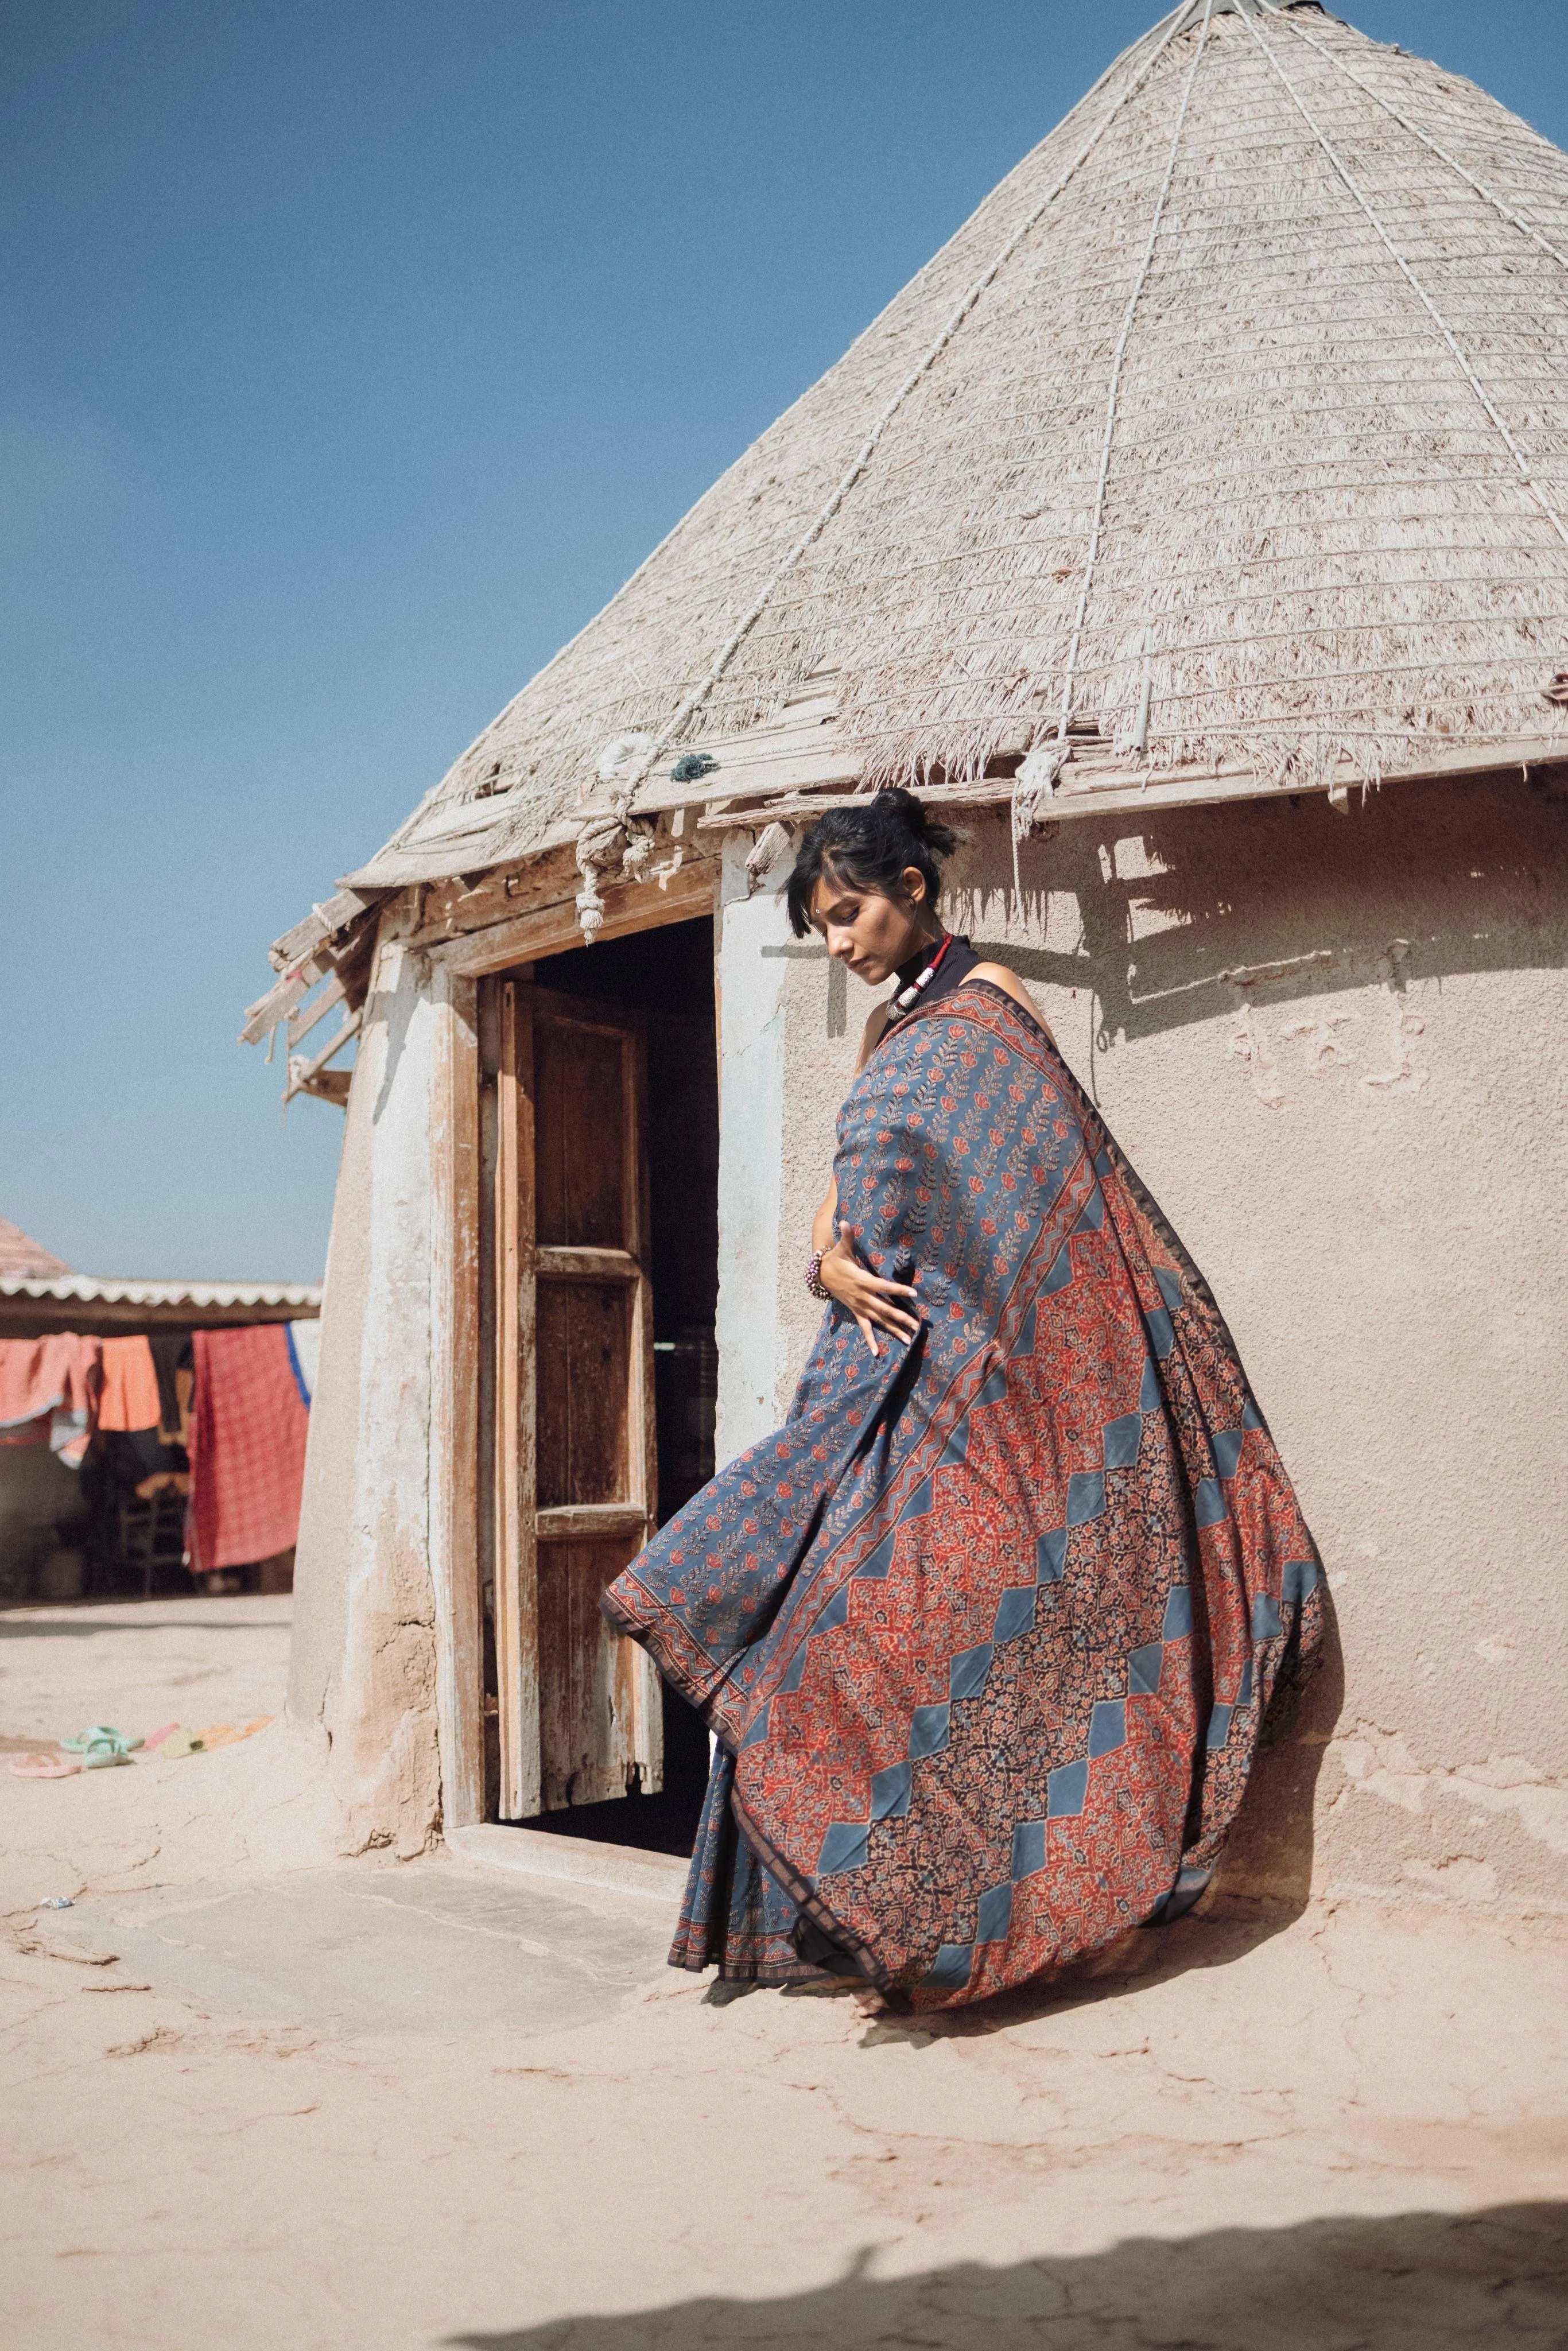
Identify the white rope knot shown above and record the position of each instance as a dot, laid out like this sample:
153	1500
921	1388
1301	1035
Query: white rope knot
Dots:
602	841
590	910
1033	788
638	853
625	758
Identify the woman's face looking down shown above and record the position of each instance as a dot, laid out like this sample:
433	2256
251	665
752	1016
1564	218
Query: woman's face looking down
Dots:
867	929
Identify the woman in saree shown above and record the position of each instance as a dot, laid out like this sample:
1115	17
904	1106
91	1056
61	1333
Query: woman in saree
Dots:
986	1630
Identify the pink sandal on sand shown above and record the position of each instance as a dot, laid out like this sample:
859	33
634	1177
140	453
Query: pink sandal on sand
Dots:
44	1766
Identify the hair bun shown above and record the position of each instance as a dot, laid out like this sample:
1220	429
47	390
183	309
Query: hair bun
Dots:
902	804
899	801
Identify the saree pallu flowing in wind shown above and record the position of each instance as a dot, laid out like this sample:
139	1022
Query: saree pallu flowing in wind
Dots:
987	1629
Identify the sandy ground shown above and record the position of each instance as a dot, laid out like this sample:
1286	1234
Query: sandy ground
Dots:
359	2104
140	1664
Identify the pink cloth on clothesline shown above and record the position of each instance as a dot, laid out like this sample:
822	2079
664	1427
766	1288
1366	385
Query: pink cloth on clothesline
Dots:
248	1447
49	1388
129	1395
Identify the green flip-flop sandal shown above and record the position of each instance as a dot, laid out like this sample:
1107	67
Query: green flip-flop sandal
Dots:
100	1745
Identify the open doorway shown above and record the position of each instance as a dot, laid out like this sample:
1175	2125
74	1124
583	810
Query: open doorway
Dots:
599	1248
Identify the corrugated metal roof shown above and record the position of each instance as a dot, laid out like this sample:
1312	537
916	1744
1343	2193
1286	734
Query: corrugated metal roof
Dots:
31	1307
88	1290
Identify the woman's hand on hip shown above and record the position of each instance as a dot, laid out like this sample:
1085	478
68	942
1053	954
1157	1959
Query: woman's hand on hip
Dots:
874	1303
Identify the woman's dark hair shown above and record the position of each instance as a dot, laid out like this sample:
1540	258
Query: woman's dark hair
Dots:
868	847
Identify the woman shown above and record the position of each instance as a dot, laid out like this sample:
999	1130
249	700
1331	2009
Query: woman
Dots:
986	1630
868	879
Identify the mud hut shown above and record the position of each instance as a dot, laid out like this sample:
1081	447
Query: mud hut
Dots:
1195	530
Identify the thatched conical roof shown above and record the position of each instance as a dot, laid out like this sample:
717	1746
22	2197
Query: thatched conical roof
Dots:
21	1255
1234	425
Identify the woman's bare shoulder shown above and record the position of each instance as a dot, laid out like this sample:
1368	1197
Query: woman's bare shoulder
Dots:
1000	977
875	1023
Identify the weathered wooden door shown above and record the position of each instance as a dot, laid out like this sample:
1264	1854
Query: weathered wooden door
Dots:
575	1476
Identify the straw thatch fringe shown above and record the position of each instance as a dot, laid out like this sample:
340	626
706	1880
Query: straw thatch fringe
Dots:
1249	445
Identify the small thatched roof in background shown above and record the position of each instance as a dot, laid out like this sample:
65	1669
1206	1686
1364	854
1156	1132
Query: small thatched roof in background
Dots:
1234	425
21	1255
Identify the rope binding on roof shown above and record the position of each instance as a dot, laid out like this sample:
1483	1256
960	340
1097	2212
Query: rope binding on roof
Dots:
595	846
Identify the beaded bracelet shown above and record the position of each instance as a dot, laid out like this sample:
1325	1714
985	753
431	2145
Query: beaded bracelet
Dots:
814	1277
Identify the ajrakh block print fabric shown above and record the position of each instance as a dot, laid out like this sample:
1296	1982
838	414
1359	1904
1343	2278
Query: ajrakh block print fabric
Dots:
986	1630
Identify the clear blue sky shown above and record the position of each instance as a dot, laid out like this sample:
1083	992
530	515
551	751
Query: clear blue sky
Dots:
351	356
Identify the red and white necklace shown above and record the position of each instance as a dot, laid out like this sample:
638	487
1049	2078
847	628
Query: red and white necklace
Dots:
914	989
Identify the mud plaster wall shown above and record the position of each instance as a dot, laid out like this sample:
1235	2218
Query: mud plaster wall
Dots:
753	1146
1334	1046
363	1667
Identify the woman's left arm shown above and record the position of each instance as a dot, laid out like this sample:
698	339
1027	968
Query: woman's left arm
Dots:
874	1303
822	1222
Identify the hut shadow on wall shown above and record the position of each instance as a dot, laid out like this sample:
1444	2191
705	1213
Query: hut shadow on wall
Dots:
1183	918
1402	2278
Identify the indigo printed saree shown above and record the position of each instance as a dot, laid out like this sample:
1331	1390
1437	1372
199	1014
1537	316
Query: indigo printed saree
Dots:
986	1630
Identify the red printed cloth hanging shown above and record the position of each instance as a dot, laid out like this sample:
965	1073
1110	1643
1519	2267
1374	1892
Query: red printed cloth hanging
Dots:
247	1448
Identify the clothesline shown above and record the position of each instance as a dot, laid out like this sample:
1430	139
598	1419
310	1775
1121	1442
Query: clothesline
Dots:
217	1417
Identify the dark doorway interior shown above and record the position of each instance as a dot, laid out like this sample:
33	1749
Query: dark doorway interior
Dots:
668	976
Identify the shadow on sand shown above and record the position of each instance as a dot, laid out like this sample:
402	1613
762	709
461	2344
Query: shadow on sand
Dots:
1409	2282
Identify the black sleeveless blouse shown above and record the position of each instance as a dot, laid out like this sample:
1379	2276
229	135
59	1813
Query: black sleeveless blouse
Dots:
953	970
957	964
